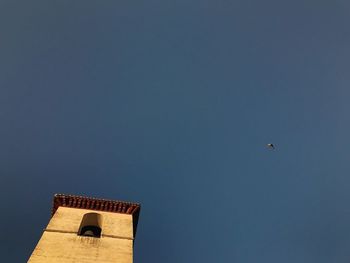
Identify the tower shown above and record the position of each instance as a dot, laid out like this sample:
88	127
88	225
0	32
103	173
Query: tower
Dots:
87	230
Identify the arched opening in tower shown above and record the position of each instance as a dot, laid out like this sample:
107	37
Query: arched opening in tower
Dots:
91	225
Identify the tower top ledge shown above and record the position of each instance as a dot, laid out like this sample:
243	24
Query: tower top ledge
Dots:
106	205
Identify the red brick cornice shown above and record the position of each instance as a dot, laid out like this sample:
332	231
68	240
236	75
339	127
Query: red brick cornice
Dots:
96	204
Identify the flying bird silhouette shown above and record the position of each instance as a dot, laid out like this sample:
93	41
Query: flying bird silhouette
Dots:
271	146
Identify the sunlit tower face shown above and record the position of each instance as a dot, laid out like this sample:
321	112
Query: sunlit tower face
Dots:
88	230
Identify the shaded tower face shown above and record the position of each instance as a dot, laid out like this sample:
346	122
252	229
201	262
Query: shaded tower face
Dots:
88	230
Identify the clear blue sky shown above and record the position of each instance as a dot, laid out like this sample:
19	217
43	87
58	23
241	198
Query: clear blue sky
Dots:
171	104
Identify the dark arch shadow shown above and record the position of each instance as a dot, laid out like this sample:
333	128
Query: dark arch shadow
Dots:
90	225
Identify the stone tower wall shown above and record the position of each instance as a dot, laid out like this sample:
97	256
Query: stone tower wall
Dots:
60	241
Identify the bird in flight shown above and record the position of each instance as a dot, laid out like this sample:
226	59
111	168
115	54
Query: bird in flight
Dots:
270	146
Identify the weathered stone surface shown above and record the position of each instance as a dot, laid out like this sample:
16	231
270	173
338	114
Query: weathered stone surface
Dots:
60	241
